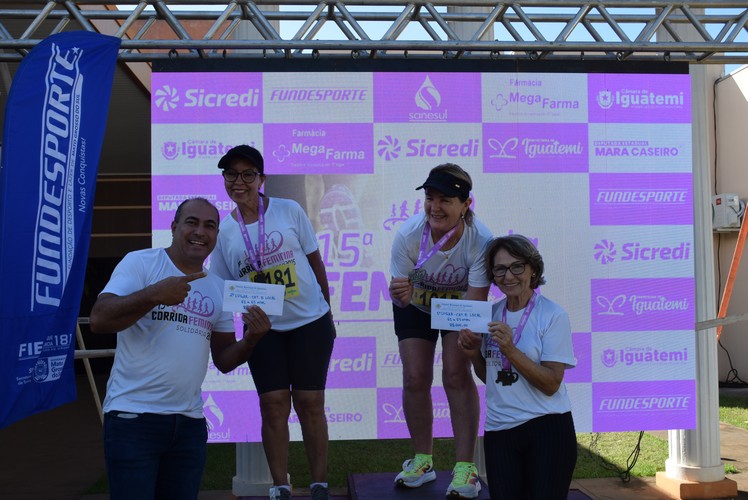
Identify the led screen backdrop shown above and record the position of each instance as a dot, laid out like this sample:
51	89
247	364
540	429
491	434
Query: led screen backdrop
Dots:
591	163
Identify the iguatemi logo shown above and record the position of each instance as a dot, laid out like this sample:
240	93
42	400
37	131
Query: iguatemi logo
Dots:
605	252
390	149
638	98
167	98
169	150
639	304
642	356
194	149
533	147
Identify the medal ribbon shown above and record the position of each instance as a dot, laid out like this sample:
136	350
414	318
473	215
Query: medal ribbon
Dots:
253	256
423	254
505	364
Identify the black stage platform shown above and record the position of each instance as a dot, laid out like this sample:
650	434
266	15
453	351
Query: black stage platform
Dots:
381	486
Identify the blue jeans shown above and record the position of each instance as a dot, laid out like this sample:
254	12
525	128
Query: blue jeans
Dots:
151	456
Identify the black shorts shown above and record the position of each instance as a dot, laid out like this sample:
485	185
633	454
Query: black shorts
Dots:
297	359
412	323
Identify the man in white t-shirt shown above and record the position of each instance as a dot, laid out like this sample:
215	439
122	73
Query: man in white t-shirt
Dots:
167	311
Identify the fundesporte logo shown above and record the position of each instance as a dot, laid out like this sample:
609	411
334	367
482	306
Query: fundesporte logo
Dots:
167	98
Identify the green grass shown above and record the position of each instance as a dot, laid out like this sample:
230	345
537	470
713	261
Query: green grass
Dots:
733	410
599	455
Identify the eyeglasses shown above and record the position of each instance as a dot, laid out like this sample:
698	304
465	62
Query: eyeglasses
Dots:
516	269
247	176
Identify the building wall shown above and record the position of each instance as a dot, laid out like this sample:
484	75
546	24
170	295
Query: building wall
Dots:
730	175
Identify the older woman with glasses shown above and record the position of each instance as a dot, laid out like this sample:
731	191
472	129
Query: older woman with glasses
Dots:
529	442
271	240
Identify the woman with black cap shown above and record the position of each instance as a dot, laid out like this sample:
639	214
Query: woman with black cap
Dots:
439	254
271	240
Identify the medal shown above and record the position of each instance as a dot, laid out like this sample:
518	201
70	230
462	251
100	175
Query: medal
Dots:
507	377
253	256
417	276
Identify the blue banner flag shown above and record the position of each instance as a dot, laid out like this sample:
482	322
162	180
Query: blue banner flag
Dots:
52	136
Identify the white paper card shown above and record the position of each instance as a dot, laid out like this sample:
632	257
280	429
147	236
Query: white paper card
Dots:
449	314
237	295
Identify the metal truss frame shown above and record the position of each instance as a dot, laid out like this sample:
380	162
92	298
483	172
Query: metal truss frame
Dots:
707	31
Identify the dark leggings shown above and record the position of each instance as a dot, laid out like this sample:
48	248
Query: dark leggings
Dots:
533	461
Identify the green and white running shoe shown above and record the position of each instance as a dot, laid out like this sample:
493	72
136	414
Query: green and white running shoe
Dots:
465	482
416	471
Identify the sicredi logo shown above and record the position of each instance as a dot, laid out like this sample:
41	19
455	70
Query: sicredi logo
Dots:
638	98
605	252
389	148
642	356
167	98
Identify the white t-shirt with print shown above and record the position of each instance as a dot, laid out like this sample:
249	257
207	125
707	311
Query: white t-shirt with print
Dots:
545	337
289	238
448	274
160	362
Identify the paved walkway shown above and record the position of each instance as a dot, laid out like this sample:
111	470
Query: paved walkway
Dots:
57	455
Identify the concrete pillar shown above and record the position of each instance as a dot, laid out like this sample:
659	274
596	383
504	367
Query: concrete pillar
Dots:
693	469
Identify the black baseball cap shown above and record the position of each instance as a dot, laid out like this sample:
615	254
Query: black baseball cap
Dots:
447	184
243	152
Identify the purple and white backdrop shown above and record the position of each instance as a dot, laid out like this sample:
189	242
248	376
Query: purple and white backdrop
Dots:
594	167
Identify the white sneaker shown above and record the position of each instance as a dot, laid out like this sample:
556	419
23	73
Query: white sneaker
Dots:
279	493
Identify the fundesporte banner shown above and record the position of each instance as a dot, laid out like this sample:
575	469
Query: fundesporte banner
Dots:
595	167
52	137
